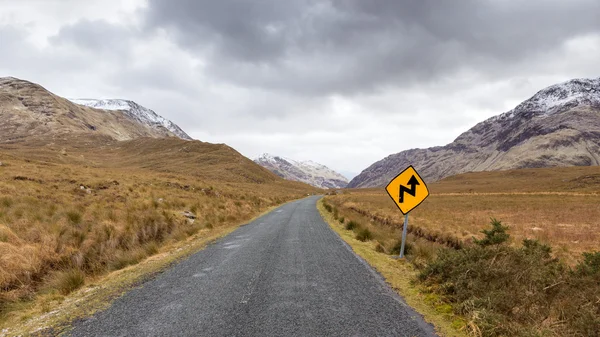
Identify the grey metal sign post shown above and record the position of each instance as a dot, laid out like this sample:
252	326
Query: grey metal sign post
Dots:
404	231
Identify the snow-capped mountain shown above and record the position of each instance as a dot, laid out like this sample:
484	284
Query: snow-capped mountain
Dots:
135	111
558	126
30	112
305	171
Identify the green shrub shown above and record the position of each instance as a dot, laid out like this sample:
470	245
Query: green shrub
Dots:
342	220
511	291
590	265
328	207
351	225
364	235
495	236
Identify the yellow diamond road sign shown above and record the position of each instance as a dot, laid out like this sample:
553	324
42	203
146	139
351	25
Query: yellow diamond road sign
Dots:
407	190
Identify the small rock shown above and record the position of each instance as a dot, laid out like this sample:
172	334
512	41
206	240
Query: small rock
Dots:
160	200
0	163
189	215
82	187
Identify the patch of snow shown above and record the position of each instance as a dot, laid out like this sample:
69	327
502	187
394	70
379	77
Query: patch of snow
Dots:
139	113
556	98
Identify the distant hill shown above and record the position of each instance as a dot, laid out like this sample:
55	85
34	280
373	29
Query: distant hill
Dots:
558	126
308	172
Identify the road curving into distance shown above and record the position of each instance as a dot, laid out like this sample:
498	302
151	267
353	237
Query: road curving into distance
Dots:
284	274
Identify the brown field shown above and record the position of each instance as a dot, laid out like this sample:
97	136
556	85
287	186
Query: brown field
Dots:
558	206
69	214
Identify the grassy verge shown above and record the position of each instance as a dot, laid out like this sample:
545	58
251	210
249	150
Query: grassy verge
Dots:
51	313
398	274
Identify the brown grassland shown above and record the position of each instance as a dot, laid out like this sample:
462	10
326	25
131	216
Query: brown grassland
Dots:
71	214
537	283
558	206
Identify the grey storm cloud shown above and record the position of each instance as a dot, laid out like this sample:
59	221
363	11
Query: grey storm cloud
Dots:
302	77
96	36
349	46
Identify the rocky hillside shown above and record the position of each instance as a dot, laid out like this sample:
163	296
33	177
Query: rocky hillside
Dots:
30	112
136	112
558	126
305	171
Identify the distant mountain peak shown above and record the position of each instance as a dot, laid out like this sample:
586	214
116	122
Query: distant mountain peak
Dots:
557	98
132	109
306	171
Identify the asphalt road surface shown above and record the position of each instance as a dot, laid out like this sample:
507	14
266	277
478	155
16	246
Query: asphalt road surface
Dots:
284	274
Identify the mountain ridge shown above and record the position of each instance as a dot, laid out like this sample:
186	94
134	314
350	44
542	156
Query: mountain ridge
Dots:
29	112
308	171
134	110
558	126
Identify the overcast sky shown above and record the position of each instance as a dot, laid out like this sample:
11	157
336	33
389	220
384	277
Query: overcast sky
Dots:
344	83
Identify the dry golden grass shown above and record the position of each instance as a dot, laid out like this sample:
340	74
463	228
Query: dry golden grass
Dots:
558	206
65	219
51	313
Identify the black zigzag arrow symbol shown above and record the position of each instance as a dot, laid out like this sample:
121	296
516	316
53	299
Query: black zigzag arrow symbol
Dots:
412	182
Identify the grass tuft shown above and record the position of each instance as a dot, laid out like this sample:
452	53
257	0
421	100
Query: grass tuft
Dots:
74	217
352	225
364	234
68	281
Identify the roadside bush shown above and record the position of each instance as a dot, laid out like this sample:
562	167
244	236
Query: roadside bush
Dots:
364	235
590	265
495	236
351	225
517	291
328	207
342	220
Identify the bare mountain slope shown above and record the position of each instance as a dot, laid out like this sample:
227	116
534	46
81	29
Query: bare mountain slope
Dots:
558	126
27	111
305	171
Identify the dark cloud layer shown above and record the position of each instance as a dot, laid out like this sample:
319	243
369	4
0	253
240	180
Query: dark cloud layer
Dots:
342	82
350	46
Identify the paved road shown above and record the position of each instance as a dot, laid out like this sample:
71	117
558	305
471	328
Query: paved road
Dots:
285	274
